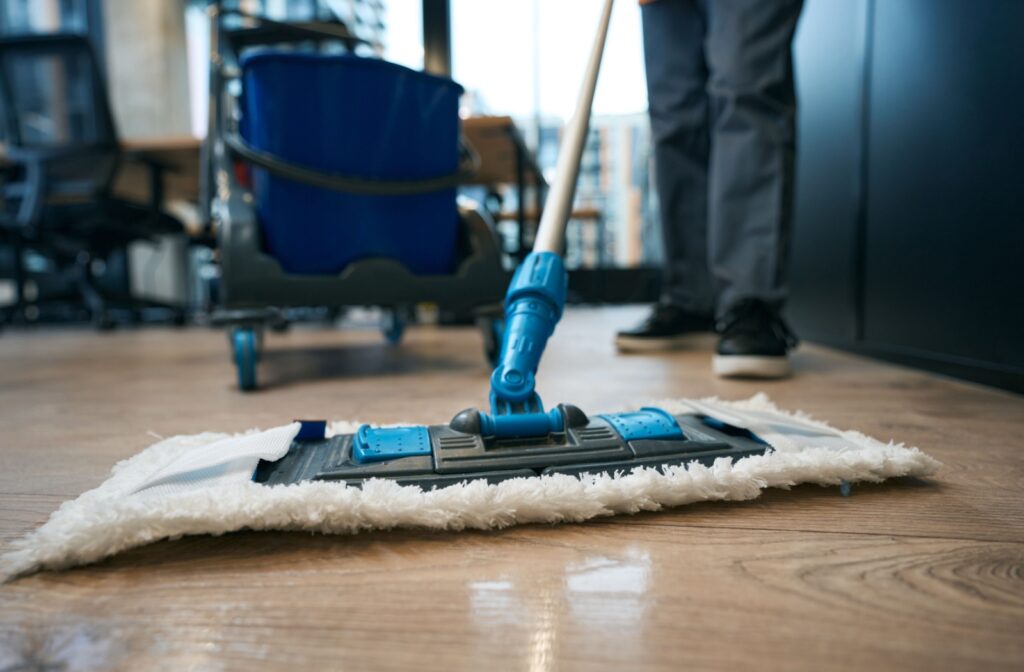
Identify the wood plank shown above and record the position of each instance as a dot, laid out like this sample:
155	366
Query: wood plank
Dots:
613	595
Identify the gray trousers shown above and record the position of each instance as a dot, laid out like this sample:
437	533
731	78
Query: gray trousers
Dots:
723	123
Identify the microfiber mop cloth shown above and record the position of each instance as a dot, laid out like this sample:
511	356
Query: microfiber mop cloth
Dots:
202	484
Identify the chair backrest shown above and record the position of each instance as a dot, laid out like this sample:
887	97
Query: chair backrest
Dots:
54	101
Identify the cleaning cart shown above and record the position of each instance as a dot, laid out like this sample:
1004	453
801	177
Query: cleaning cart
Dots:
331	181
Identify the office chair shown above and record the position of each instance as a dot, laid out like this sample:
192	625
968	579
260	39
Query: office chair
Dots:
61	157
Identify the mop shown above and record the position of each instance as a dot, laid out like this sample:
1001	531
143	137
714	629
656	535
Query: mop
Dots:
516	463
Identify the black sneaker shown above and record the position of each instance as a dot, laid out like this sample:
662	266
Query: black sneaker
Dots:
755	342
666	328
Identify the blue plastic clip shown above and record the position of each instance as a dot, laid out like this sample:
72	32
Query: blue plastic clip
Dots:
377	444
647	423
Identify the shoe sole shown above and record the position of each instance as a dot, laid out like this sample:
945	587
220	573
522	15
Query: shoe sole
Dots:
631	344
750	366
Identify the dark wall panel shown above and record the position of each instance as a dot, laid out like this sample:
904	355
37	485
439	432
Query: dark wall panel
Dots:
830	69
944	238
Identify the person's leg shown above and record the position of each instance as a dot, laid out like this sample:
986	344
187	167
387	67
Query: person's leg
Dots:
677	75
753	140
676	80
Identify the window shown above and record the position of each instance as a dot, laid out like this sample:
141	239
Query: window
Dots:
526	59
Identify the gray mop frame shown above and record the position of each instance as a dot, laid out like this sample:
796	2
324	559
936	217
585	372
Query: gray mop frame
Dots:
585	446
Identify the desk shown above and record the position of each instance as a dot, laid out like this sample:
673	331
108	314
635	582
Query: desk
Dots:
174	158
178	157
505	159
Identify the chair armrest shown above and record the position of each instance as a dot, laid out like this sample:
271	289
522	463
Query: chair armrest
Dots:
34	192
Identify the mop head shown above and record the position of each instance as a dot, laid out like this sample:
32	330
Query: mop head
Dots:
202	484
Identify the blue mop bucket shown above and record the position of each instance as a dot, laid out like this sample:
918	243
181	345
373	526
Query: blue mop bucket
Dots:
359	117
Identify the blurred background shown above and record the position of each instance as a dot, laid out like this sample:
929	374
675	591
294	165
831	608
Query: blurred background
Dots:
909	220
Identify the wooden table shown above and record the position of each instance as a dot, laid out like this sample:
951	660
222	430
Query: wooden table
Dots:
179	155
506	160
911	575
176	158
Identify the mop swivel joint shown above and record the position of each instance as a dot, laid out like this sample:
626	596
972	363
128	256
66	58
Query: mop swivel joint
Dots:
533	306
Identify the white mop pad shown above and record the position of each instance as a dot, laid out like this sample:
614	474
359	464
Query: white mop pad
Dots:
202	484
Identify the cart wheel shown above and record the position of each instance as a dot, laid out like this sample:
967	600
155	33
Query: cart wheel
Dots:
392	325
245	346
493	331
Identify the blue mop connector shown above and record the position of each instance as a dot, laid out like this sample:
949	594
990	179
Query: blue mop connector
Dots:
533	306
539	423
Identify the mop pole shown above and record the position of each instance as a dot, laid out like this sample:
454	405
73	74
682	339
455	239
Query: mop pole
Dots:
536	295
558	206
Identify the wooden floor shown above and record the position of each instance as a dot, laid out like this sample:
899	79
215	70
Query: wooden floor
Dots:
907	575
